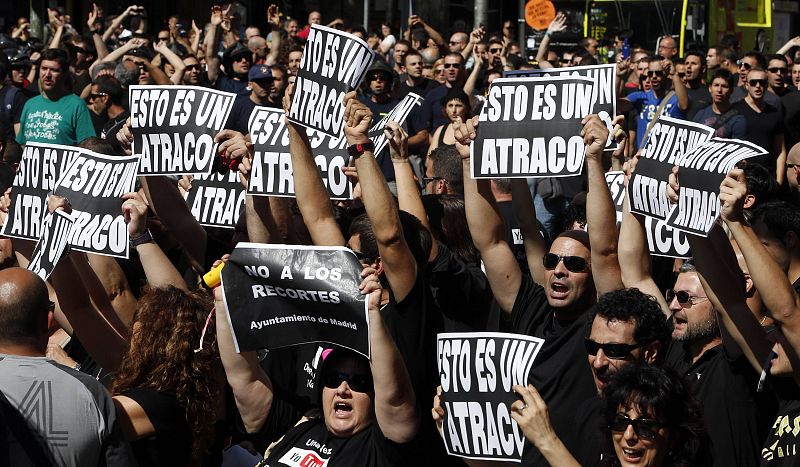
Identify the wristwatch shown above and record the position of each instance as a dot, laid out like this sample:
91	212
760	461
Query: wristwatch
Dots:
356	150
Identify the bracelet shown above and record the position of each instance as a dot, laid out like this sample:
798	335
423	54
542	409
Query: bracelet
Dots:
77	367
548	34
146	237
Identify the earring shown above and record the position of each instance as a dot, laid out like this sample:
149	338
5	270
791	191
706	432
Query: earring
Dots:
249	88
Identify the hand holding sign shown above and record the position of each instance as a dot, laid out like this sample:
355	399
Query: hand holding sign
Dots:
673	186
732	192
135	211
532	416
357	119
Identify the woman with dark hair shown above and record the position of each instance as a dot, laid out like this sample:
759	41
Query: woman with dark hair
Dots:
455	106
653	421
448	224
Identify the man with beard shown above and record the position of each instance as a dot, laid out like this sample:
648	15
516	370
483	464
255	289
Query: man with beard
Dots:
779	82
695	70
105	98
764	123
193	71
57	115
278	86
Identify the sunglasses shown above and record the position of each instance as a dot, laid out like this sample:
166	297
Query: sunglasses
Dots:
196	66
95	95
792	166
426	180
683	297
572	263
779	70
742	64
357	383
495	51
378	77
612	351
452	65
652	73
758	82
646	428
455	43
241	57
440	70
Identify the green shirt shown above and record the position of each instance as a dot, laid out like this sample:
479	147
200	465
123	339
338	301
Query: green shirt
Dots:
63	121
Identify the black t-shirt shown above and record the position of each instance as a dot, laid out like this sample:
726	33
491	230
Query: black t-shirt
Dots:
421	89
762	127
592	432
561	371
110	130
171	445
12	100
240	114
791	117
378	112
698	98
726	389
311	444
781	446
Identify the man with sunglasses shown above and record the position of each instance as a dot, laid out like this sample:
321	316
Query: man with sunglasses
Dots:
751	61
236	60
554	300
779	84
764	123
454	78
105	99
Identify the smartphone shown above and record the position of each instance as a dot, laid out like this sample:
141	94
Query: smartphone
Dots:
626	49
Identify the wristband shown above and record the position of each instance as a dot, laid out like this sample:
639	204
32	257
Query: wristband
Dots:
356	150
146	237
548	34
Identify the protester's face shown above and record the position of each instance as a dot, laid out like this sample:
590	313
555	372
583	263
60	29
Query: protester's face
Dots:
192	73
413	66
514	49
667	47
98	102
315	17
757	83
434	184
378	83
454	110
400	51
292	27
655	74
720	91
692	321
451	67
495	51
482	50
693	68
385	30
457	43
712	59
144	76
641	68
278	84
438	74
564	287
745	65
427	71
778	73
634	450
241	65
591	46
294	61
260	89
796	75
780	365
793	172
17	75
346	411
606	331
50	76
251	32
775	247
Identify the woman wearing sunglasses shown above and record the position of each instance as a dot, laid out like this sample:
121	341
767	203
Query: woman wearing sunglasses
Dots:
368	405
652	421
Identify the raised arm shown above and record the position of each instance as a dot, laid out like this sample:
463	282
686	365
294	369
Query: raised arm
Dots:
117	53
159	270
395	403
210	41
532	240
117	21
252	389
776	290
398	262
274	19
601	216
472	79
312	197
174	60
677	85
558	24
486	225
779	142
259	215
408	195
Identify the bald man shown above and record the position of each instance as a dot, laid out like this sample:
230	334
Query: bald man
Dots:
793	170
71	411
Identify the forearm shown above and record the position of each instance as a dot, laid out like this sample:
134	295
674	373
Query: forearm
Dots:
312	197
681	92
378	201
556	453
157	267
525	212
56	41
100	46
212	60
261	227
114	25
274	48
159	77
408	195
434	34
483	217
112	56
472	80
544	47
116	286
176	63
601	215
468	50
418	142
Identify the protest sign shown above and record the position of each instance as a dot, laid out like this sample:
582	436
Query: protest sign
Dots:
604	92
56	229
398	114
701	172
477	371
667	139
94	184
272	173
217	200
531	127
333	64
282	295
39	169
662	240
174	127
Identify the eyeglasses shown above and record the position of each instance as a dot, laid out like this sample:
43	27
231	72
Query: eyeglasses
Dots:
612	351
792	166
779	70
357	383
743	64
572	263
646	428
758	82
683	297
196	66
452	65
427	180
652	73
95	95
455	42
495	51
440	70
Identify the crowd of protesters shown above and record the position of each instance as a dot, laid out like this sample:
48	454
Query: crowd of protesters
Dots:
646	361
